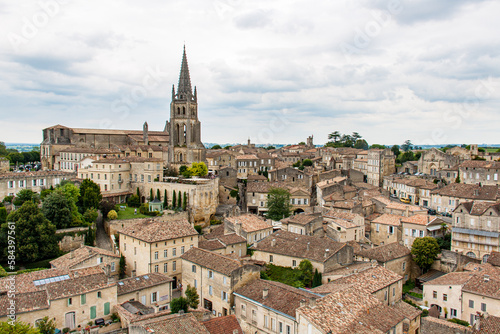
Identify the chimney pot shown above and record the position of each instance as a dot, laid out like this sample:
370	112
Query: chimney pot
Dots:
486	278
265	293
273	242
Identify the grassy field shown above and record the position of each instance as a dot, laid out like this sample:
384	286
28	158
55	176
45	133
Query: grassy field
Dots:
491	149
128	213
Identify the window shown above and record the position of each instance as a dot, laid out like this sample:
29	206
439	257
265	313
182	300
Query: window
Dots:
288	329
270	258
106	308
154	297
210	274
378	227
224	296
70	301
165	267
280	327
393	292
165	253
113	267
385	295
390	229
243	311
210	290
182	250
156	268
471	303
483	307
174	265
174	252
266	321
193	268
404	266
135	250
453	312
156	255
83	299
93	312
273	324
434	294
99	294
224	280
445	297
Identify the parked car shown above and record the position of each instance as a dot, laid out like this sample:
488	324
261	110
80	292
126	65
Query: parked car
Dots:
431	211
405	200
99	322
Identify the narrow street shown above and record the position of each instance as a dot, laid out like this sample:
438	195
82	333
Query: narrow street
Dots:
102	239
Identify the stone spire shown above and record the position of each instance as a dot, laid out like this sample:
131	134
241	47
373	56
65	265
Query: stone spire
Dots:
184	90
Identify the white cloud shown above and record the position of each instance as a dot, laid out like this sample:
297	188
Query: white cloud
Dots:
406	74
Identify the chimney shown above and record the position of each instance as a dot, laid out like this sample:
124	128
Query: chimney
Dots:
308	245
486	278
327	253
265	293
303	302
273	242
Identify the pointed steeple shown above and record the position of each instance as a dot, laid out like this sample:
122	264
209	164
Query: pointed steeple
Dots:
184	90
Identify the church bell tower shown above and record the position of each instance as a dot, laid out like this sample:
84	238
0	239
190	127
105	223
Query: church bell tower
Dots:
185	146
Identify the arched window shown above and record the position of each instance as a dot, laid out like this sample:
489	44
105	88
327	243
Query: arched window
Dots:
180	157
185	134
178	134
471	254
178	111
184	110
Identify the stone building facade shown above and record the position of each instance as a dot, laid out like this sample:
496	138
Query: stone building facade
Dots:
11	183
380	163
480	172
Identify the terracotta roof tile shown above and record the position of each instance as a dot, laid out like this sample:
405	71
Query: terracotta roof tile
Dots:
211	260
174	324
153	231
297	245
469	191
223	325
386	252
494	259
141	282
388	219
489	325
250	222
280	297
79	255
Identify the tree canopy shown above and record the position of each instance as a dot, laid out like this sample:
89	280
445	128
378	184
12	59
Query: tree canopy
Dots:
57	208
198	169
26	195
278	203
17	328
192	297
90	195
178	304
345	140
425	251
35	234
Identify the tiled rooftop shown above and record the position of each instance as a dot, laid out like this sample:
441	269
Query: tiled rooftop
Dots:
388	219
79	255
386	252
153	231
173	324
417	219
141	282
250	222
301	246
211	260
280	297
370	279
223	325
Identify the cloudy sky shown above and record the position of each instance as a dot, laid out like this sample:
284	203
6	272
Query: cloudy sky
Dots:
275	71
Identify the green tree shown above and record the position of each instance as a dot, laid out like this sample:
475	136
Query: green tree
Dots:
35	235
216	147
278	203
112	215
425	251
192	297
355	136
15	158
267	148
158	194
307	272
3	149
457	180
57	209
361	144
307	162
44	193
134	201
90	195
17	328
151	195
179	200
3	215
183	168
46	325
178	304
138	193
184	202
90	215
377	146
122	267
335	136
407	145
165	199
26	195
317	279
90	236
198	169
395	150
105	207
302	143
174	200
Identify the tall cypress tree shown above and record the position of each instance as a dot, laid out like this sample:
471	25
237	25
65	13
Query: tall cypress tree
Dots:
174	202
180	199
184	202
151	194
158	194
165	199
